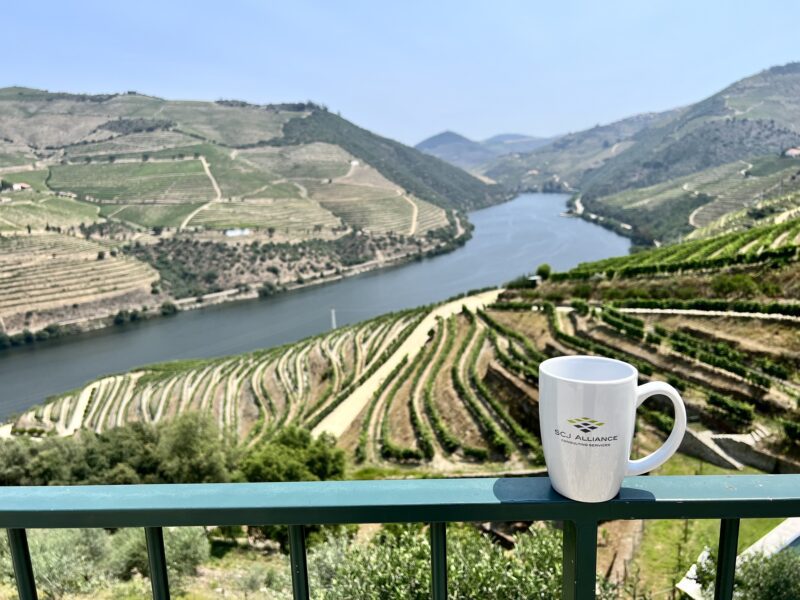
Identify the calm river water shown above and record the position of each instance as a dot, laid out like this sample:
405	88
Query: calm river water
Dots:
509	239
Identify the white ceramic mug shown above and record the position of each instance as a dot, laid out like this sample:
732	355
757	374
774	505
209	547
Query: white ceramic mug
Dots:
587	413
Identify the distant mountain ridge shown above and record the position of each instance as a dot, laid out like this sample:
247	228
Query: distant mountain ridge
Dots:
468	154
754	116
758	116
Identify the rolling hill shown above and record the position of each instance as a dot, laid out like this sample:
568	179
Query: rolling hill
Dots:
471	155
752	118
213	196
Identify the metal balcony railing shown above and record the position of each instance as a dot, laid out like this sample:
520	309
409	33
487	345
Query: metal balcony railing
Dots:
434	501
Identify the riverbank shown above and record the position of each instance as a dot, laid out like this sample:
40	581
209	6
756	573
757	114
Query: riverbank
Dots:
167	306
507	240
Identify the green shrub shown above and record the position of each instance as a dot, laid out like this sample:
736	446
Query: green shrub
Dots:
758	577
676	382
737	413
65	561
168	308
185	548
657	419
738	284
792	429
629	327
775	369
580	306
396	566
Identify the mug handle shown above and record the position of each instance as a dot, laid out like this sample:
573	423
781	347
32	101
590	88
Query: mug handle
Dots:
660	456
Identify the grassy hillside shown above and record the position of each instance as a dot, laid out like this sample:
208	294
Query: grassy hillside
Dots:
49	125
704	202
754	117
424	176
184	186
44	275
563	162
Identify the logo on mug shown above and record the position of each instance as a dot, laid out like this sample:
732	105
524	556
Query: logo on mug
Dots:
585	424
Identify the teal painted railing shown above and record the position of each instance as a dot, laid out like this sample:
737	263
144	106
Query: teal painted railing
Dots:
434	501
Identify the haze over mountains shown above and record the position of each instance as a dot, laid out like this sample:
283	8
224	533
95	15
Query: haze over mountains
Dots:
741	131
470	155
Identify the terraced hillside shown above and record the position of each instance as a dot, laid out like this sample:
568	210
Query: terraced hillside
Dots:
252	396
20	210
453	388
174	182
715	144
705	202
251	150
42	274
219	196
752	117
777	242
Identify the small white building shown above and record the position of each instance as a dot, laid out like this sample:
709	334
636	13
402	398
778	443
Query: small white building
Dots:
792	152
18	187
236	232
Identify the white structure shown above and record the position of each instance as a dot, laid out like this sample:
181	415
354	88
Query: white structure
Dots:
237	232
18	187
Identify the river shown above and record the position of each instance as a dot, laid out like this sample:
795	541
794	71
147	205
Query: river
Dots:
508	240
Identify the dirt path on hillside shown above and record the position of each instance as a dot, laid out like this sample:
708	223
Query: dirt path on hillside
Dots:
414	215
217	193
710	313
80	408
340	419
440	461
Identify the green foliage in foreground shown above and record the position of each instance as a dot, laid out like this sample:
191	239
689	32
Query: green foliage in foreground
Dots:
396	565
294	456
758	577
791	427
188	449
82	561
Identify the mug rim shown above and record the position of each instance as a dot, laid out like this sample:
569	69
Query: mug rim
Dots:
633	375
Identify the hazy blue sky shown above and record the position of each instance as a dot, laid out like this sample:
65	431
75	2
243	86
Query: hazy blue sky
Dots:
406	69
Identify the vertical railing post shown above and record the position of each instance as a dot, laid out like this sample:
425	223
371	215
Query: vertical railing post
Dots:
21	560
726	558
439	561
157	558
297	551
579	560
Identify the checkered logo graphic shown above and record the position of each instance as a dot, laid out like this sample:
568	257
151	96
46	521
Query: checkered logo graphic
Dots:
585	424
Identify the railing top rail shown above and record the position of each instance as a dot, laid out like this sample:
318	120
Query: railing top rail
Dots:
414	500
